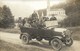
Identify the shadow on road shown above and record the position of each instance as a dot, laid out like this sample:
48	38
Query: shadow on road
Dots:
47	46
41	44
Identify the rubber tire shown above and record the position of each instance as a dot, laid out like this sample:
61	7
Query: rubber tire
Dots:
26	41
60	44
70	43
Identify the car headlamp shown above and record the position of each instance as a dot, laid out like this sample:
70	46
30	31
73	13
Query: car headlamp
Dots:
67	33
63	33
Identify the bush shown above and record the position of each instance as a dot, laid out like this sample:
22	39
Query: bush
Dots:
73	13
71	21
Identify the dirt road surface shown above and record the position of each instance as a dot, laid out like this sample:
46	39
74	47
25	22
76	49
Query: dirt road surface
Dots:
14	38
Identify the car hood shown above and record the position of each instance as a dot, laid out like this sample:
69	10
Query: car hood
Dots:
59	29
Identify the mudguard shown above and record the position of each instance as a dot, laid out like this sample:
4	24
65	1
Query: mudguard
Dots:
59	37
22	34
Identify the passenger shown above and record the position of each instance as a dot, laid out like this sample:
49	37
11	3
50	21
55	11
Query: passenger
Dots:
24	21
34	14
27	23
42	23
33	20
20	22
53	18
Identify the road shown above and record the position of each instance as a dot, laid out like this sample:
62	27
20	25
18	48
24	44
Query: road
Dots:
14	38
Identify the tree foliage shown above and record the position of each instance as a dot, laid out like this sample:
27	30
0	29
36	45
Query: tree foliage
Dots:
7	18
73	12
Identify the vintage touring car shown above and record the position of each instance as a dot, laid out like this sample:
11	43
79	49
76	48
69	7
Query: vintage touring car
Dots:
56	36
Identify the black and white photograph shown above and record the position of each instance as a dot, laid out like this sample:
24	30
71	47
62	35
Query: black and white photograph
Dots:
39	25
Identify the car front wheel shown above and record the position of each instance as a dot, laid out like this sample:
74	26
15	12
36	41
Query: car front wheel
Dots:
56	44
69	42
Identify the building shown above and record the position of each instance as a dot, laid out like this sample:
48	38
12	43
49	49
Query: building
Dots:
58	13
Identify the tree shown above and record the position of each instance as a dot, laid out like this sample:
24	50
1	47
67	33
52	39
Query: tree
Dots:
73	12
8	19
1	16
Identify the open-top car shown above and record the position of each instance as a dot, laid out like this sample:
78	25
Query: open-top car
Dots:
56	36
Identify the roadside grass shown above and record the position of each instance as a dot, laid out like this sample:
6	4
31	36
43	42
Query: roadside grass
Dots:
75	33
75	30
10	30
6	46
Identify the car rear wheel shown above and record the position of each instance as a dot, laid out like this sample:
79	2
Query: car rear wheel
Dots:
56	44
25	38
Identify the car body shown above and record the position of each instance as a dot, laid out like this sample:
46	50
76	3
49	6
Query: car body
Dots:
60	34
55	36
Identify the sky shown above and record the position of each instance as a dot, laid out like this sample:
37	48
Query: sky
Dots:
24	8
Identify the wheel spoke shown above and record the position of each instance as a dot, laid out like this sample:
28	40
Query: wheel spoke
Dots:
69	42
25	39
56	44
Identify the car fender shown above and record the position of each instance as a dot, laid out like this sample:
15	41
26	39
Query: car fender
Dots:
22	34
59	37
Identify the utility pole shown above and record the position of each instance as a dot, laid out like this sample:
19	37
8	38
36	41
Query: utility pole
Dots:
48	7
